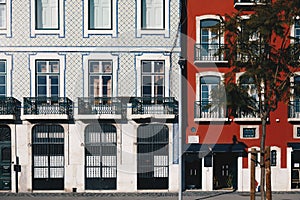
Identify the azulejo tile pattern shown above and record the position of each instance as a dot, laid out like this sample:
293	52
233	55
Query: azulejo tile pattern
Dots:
126	38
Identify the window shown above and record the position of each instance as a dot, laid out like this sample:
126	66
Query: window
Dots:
100	14
100	78
249	132
100	75
248	86
47	72
153	14
208	105
297	95
298	132
100	17
49	17
3	78
153	79
152	17
5	17
208	39
207	85
3	14
273	157
297	30
47	77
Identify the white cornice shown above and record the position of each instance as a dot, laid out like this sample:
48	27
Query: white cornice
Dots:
90	49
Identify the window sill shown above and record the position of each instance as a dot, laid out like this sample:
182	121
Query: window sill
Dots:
141	32
87	32
47	32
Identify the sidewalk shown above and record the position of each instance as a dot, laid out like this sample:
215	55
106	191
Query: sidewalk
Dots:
216	195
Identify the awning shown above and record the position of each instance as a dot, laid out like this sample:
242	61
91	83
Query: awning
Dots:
295	146
237	147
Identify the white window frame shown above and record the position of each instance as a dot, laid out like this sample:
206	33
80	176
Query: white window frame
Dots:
203	74
295	131
242	127
278	156
100	57
114	15
140	31
47	75
6	30
153	57
293	29
8	59
61	24
47	56
198	27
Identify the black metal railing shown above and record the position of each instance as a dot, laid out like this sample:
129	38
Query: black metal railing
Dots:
99	105
48	105
154	105
210	109
209	52
248	4
252	1
249	113
294	109
9	106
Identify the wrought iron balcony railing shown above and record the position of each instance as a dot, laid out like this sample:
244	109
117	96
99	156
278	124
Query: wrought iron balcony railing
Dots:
294	109
99	105
249	114
246	3
208	53
48	106
210	110
154	105
9	106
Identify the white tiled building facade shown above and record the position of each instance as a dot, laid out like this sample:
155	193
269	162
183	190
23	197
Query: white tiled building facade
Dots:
94	87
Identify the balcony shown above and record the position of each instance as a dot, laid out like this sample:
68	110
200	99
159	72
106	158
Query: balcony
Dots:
99	108
294	111
248	4
9	108
153	107
47	108
248	115
208	53
205	111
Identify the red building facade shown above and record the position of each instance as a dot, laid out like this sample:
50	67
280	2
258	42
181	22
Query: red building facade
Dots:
217	145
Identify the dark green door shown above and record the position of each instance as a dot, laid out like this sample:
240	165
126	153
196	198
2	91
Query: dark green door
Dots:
5	158
152	158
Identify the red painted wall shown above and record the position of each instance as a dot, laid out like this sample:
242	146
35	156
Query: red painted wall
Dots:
278	133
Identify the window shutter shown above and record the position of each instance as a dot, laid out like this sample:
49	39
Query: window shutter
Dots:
154	14
47	14
102	14
2	15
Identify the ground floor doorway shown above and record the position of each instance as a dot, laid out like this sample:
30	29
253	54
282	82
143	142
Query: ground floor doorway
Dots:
225	170
5	158
295	169
193	171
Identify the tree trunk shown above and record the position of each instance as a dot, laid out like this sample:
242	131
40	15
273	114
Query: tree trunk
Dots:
262	157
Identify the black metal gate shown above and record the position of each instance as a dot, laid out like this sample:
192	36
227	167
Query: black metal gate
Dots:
152	158
100	157
5	158
48	157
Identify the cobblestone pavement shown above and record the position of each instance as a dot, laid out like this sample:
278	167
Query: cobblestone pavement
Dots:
219	195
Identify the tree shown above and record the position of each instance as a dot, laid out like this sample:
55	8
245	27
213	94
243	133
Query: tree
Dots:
260	45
